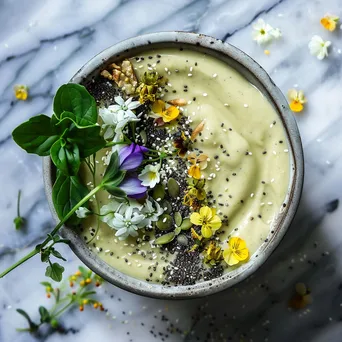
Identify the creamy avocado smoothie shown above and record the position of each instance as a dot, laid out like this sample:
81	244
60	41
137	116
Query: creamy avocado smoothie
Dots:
212	174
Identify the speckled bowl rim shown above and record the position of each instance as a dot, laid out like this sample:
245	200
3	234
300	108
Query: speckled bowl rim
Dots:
251	70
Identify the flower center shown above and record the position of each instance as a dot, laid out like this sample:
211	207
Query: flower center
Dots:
262	31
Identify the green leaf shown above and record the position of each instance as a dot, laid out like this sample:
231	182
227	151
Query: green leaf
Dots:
66	193
88	293
56	254
111	184
66	159
44	315
46	284
117	193
76	99
45	255
87	139
84	271
112	168
55	271
33	326
36	135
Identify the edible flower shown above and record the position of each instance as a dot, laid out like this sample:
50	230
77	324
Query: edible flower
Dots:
128	224
182	144
301	298
208	220
131	156
297	100
213	254
237	251
82	212
151	211
198	163
264	33
133	187
116	116
168	114
329	22
21	92
150	176
318	47
149	86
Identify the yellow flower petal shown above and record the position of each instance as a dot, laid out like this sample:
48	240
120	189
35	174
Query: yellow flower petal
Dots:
329	23
170	114
237	243
241	254
21	92
292	94
196	219
301	98
158	107
205	213
229	257
195	171
296	106
215	223
206	231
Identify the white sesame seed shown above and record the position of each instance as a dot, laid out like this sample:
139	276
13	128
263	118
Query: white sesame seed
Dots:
166	69
246	105
214	75
189	75
269	203
252	195
274	152
164	219
226	104
286	150
272	180
205	94
191	68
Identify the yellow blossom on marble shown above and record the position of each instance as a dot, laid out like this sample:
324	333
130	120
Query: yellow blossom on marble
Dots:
208	220
168	114
236	252
329	22
297	100
198	163
21	92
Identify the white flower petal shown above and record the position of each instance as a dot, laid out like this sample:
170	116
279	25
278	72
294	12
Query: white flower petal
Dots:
119	100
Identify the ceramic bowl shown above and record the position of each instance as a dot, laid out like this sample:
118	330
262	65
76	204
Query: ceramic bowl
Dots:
256	75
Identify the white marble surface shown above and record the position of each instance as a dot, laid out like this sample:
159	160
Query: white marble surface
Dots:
43	43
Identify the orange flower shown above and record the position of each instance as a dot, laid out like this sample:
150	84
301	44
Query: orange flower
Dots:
329	22
168	114
198	163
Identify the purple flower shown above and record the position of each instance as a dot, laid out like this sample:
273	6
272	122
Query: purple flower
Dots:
133	188
131	156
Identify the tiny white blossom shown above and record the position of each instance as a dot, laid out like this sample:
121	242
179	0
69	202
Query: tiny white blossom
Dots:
116	116
318	47
128	224
82	212
264	33
150	176
151	211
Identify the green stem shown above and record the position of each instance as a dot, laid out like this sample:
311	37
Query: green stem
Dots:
54	231
113	143
18	203
63	309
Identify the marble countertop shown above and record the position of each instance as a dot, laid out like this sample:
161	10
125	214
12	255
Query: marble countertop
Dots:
47	45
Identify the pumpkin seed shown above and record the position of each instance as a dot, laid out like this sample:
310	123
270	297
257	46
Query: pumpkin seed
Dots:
177	230
178	218
166	204
164	239
173	187
186	224
143	136
164	222
182	240
159	192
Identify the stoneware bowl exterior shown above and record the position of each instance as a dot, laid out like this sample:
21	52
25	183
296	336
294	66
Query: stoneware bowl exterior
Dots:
255	74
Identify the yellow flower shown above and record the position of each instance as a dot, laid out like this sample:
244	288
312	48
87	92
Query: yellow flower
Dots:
213	253
329	22
297	99
198	163
237	251
208	220
168	114
21	92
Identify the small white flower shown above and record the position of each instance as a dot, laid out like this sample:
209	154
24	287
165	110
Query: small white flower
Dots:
108	211
150	176
151	211
82	212
128	224
118	115
318	47
264	33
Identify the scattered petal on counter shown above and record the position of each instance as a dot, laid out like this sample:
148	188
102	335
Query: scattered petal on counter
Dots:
301	298
21	92
297	100
329	22
319	47
264	33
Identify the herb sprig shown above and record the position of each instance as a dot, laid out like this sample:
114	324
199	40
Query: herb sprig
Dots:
19	221
71	136
83	284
